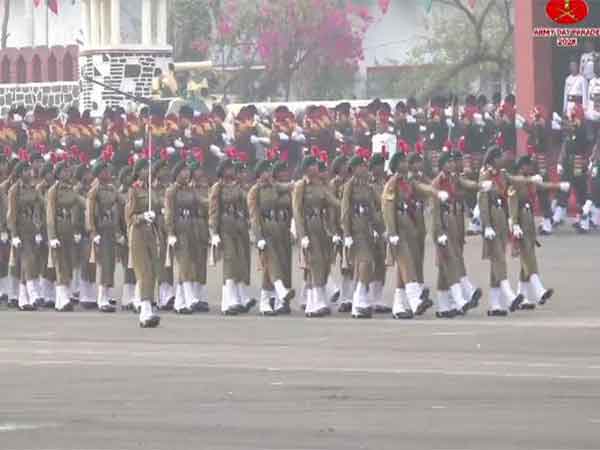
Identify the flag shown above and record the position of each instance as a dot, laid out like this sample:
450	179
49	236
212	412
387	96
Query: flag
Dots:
52	5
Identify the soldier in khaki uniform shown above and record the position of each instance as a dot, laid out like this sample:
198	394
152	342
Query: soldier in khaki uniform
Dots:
448	236
5	288
361	227
270	227
378	181
64	228
47	274
87	270
494	220
244	178
143	242
398	207
129	300
12	278
228	229
201	187
315	211
24	217
102	223
339	170
521	201
181	211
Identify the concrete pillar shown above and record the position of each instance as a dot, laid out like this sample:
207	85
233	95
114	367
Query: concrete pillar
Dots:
29	25
147	22
115	23
104	23
94	23
85	22
161	22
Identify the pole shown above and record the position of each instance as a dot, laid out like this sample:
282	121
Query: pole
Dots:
47	23
149	131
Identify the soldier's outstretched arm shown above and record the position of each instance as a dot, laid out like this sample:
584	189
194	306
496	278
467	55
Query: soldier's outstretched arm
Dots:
51	213
388	206
254	213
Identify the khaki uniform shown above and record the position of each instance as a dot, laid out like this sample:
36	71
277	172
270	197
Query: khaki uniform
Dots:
228	218
62	218
181	213
24	217
47	273
4	246
421	199
143	241
123	250
359	220
200	242
315	212
102	219
269	219
380	269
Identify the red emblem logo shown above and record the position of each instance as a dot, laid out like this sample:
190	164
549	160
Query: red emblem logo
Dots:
567	12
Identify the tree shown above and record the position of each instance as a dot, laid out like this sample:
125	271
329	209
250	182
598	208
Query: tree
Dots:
463	42
5	20
191	24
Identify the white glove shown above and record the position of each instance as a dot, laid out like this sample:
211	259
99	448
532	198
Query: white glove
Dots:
443	196
587	208
97	239
39	239
171	241
556	125
594	171
16	242
489	233
411	119
261	244
478	119
336	239
487	116
394	240
519	121
348	242
559	169
449	111
215	240
422	128
121	240
305	242
215	150
149	216
283	137
298	137
537	179
517	231
486	186
254	139
556	117
97	143
178	143
77	238
54	243
138	143
442	240
4	237
293	229
375	234
187	133
449	123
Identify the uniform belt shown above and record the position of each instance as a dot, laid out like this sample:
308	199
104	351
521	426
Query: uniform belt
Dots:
525	205
187	214
575	98
312	213
234	212
361	209
403	208
275	215
64	215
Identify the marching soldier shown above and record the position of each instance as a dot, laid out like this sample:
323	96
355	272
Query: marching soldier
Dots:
64	231
270	227
377	182
201	187
181	211
228	230
521	200
314	208
398	206
496	232
5	280
143	242
48	274
361	228
102	223
24	217
129	299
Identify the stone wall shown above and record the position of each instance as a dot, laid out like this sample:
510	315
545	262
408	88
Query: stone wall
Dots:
47	94
129	70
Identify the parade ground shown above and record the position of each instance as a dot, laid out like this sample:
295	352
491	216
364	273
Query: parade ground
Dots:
84	380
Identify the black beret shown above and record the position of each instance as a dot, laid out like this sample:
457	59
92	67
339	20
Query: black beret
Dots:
21	167
356	161
261	167
99	166
223	165
492	154
59	167
396	158
336	165
376	160
523	161
308	162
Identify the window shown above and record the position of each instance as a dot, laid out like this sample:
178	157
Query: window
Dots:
21	70
52	68
6	70
68	68
36	75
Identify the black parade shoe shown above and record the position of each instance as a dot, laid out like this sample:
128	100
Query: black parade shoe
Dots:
39	302
28	308
233	311
67	308
268	313
151	322
88	306
363	313
289	296
526	307
3	299
319	313
200	307
404	315
49	304
451	314
284	310
423	307
382	309
547	295
108	309
112	302
497	313
184	311
13	303
127	307
425	293
335	297
516	302
248	306
345	307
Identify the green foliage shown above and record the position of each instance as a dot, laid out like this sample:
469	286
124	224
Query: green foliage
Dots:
190	26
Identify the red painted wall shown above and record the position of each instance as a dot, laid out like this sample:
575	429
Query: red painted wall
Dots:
64	70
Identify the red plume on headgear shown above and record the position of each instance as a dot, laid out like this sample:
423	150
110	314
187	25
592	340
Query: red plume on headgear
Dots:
538	112
231	153
131	160
462	144
84	158
8	152
108	153
402	146
500	141
242	157
273	153
184	153
198	154
74	152
577	112
364	153
315	151
420	147
323	156
148	153
54	158
448	146
24	155
41	148
164	154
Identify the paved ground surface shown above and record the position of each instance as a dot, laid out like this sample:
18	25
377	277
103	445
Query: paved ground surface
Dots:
532	381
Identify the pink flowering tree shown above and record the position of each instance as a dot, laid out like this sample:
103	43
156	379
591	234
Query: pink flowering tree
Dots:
304	38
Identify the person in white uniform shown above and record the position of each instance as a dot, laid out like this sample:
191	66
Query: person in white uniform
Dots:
575	89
